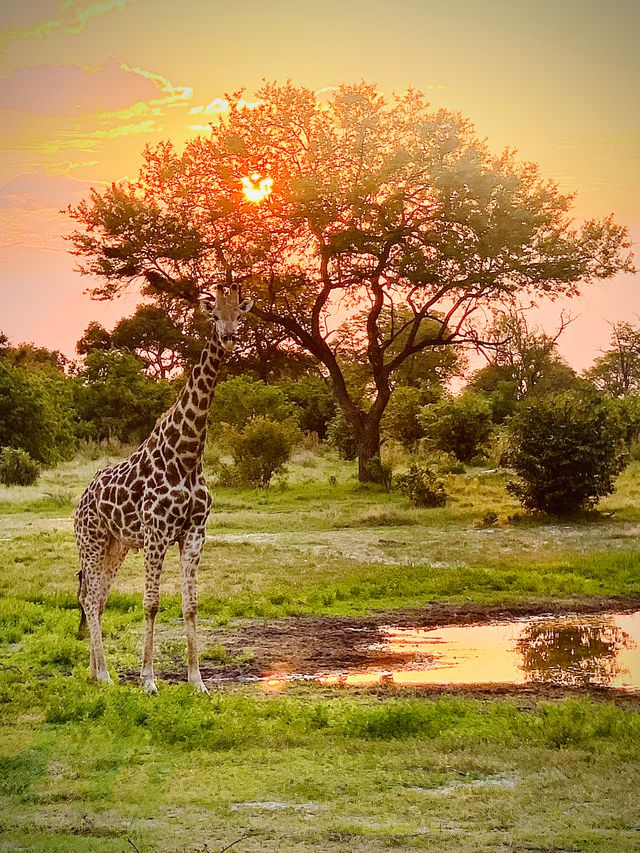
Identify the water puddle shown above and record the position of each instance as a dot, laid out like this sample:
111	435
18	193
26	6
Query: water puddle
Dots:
586	650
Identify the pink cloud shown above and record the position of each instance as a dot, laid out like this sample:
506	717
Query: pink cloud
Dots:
72	90
19	15
39	189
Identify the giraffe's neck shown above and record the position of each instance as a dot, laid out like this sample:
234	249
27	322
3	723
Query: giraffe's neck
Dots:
182	431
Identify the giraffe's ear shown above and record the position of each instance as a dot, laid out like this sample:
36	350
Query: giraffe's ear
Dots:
208	305
246	305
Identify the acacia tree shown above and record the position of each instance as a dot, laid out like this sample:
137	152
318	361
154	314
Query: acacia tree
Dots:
525	357
371	203
617	371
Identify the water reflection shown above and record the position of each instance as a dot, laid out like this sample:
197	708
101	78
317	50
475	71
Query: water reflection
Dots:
570	651
573	653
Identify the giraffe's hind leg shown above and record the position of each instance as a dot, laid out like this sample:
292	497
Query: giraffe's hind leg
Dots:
190	551
155	549
100	560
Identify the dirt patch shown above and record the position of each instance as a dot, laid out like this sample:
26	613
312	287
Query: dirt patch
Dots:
304	647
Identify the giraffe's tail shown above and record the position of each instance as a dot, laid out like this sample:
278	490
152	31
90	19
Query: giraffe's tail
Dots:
82	628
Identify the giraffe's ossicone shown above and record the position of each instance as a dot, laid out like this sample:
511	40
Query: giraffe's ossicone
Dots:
153	499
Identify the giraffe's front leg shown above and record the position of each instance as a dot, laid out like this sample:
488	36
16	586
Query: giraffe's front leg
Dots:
154	553
190	551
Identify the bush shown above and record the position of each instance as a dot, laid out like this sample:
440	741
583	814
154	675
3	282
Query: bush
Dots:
459	425
314	399
443	463
114	399
260	450
628	409
17	468
567	450
401	420
240	399
340	436
422	487
35	412
380	473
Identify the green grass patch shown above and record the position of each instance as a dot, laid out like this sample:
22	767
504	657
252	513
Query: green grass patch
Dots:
87	768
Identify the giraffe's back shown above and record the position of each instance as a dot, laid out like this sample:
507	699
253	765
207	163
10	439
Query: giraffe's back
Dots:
137	494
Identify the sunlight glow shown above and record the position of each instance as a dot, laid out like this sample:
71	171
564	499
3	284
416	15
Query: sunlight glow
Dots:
256	188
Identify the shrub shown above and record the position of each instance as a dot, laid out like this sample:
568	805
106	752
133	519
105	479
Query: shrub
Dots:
380	473
459	425
240	399
566	450
17	468
114	399
628	409
260	450
401	420
489	518
422	487
314	399
35	413
340	436
444	463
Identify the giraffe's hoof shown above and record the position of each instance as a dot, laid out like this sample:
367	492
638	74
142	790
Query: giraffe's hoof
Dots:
200	687
104	678
150	687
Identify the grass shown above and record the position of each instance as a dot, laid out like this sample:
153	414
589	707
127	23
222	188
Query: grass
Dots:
83	768
310	772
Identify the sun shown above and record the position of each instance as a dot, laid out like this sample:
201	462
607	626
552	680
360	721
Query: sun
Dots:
256	188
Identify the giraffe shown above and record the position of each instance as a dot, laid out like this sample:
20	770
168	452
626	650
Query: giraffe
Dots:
153	499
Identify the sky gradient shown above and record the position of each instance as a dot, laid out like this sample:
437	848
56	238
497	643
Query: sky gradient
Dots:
84	86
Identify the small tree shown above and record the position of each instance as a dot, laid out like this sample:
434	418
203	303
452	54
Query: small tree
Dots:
527	358
17	468
340	436
459	425
314	399
401	420
260	450
238	400
114	399
95	336
422	487
153	335
617	371
35	408
566	450
628	409
496	383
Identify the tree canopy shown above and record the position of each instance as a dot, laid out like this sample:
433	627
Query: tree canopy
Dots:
617	371
365	204
523	362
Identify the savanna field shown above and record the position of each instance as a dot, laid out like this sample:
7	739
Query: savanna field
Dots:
304	766
367	273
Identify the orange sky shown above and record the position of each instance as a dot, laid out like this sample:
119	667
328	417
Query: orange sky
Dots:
85	85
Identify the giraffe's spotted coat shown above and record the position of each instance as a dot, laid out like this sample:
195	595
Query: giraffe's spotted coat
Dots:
153	499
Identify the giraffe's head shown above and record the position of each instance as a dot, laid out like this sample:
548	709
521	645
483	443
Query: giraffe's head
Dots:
225	310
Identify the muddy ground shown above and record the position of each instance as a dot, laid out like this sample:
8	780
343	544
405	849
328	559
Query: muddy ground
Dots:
310	645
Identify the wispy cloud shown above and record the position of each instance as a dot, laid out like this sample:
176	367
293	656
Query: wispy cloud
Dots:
66	16
51	108
41	190
173	95
30	210
72	89
218	109
83	13
84	140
